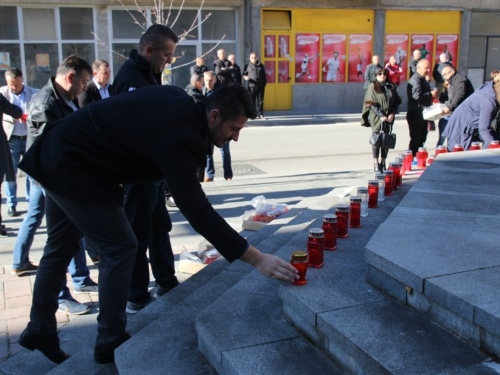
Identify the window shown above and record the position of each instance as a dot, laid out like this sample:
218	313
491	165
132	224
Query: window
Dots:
76	23
8	23
125	26
220	23
39	24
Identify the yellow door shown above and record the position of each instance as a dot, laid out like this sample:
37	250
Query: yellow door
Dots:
277	59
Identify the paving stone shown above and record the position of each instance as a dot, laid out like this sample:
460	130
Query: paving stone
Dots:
398	340
17	288
19	301
294	356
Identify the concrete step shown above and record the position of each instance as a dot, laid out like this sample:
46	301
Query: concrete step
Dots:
254	313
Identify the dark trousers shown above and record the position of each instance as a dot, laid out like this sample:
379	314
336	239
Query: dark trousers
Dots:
418	130
107	227
257	94
145	209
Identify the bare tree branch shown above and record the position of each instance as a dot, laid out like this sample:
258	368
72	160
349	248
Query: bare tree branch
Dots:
206	53
101	43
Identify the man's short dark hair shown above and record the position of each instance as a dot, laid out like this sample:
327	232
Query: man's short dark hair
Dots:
156	36
13	73
97	64
232	101
74	64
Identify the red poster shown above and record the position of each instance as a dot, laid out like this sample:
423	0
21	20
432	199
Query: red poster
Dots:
424	43
307	58
269	45
333	61
283	71
447	44
397	45
270	71
360	55
283	46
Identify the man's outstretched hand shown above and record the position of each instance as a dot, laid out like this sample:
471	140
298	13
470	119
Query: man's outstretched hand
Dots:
270	265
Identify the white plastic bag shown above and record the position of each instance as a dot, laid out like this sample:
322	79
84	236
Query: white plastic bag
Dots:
264	213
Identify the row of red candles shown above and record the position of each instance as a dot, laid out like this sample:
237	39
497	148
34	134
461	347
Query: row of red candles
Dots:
422	153
347	216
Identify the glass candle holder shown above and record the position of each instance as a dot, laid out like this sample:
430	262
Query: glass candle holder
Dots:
399	177
441	150
299	261
475	146
381	186
403	164
355	212
330	230
372	193
430	160
393	167
342	212
422	156
388	182
408	160
457	148
494	144
315	244
363	193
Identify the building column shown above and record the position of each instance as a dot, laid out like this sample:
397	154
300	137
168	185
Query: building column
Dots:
463	60
379	35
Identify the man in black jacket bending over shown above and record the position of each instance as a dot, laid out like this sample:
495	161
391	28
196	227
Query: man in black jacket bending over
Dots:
145	202
83	160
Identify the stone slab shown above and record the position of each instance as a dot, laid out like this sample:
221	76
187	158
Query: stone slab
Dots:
388	338
488	316
485	368
237	320
295	356
462	292
411	248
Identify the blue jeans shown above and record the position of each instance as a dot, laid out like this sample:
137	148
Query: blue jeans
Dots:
17	149
36	210
226	163
441	126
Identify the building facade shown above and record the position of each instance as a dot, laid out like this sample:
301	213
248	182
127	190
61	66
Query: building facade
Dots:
315	52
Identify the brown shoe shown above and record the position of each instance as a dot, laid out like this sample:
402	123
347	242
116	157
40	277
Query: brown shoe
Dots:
208	179
229	179
28	268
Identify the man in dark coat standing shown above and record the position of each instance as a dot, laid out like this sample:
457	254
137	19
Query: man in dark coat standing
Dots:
199	68
235	70
371	70
255	74
436	72
98	87
195	88
419	96
89	155
417	56
222	68
145	202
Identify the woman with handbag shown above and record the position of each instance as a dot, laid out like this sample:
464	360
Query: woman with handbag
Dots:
379	109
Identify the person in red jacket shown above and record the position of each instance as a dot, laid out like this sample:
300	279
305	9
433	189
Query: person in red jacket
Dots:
394	71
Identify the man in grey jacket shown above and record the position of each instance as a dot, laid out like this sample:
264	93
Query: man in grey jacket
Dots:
16	92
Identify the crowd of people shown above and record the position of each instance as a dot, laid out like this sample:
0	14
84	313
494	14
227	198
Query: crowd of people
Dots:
100	159
466	115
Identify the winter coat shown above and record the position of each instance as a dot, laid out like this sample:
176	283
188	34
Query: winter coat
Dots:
223	75
460	88
6	165
256	73
473	115
419	93
196	94
134	74
381	99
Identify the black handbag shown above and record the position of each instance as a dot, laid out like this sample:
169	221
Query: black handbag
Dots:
383	140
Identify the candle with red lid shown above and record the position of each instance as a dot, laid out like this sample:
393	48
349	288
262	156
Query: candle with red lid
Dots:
372	193
342	212
457	148
408	160
330	230
494	144
395	168
399	177
299	261
355	212
315	244
389	175
422	156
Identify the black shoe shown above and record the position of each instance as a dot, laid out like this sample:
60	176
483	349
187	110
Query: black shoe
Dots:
382	167
12	211
104	355
376	168
47	345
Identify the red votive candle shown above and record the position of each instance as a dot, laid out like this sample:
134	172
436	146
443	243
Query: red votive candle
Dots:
431	159
372	193
457	148
330	230
494	144
393	167
355	214
315	244
475	146
408	160
299	261
422	156
441	150
389	174
342	212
